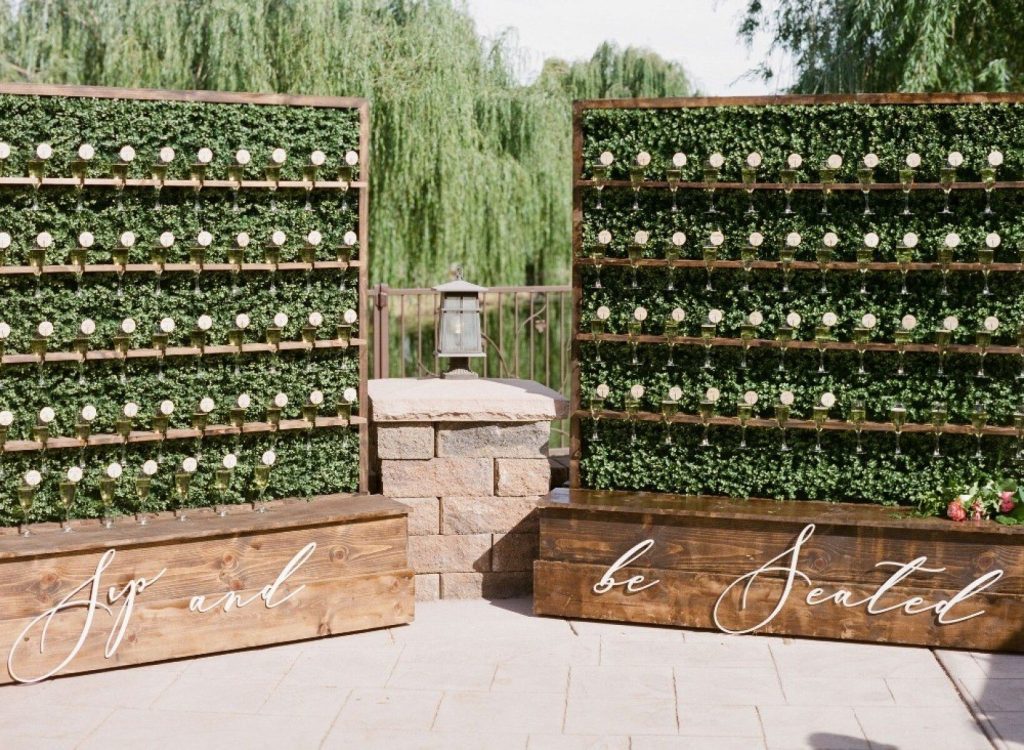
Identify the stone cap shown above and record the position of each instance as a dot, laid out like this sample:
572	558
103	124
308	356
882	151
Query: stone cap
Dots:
479	400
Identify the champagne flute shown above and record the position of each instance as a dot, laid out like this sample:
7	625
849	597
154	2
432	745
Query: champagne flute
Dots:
988	178
598	325
865	255
120	255
81	345
858	415
748	332
945	255
904	257
236	338
827	176
979	419
822	337
26	496
861	335
79	255
119	171
787	254
636	253
943	338
596	407
600	171
68	488
261	478
749	176
158	257
788	177
824	255
143	485
744	412
80	171
182	484
675	319
599	252
108	490
715	242
37	171
636	393
748	256
38	347
672	251
819	414
898	417
782	410
636	176
634	329
708	332
712	170
158	170
947	177
983	339
1018	426
161	422
123	425
986	255
669	409
222	481
37	258
913	161
674	174
939	417
902	337
784	336
866	177
707	413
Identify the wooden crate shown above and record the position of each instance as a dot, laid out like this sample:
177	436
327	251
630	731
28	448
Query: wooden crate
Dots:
134	594
813	569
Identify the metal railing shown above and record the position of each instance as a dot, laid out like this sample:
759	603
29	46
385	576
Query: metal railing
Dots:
527	333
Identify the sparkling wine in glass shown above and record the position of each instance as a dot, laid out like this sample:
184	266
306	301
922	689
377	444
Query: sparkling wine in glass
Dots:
858	415
749	176
599	252
986	255
710	252
787	254
782	411
745	412
597	400
866	177
939	417
861	336
904	257
636	176
820	416
903	336
748	256
633	401
634	328
865	255
825	254
669	409
913	161
708	406
898	417
789	177
674	175
983	340
748	332
827	176
988	178
947	177
601	170
979	419
712	170
822	337
943	338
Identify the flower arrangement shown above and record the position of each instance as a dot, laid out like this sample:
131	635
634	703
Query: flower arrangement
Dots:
995	498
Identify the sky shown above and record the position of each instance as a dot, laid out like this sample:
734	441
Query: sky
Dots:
701	34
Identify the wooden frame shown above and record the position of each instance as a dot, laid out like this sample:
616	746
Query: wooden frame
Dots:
579	185
702	551
243	580
361	185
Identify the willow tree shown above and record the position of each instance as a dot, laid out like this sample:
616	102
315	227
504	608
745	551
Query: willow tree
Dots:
895	45
468	165
614	73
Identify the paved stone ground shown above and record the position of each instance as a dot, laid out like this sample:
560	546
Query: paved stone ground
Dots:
480	675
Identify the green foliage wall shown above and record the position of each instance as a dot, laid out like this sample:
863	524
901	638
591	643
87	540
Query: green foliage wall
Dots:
324	462
615	461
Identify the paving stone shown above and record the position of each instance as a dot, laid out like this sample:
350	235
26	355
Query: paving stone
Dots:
479	400
428	586
405	440
719	721
818	728
521	477
907	728
439	477
389	709
494	439
485	585
495	712
424	515
453	553
475	515
514	552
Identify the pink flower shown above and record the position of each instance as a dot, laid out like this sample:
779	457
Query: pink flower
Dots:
977	511
956	511
1006	503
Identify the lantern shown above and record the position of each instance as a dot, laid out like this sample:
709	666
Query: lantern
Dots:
459	335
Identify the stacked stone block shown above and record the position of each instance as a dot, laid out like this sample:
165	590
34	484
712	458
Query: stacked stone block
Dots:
472	485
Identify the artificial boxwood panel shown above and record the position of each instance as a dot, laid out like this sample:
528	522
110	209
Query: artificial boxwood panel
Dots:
891	131
309	464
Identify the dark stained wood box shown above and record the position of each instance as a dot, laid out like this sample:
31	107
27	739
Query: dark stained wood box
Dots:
850	562
301	570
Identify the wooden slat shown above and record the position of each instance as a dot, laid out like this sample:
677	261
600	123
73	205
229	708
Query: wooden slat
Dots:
210	184
800	100
845	554
172	268
799	265
687	599
800	186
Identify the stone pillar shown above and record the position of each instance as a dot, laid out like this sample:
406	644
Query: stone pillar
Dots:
469	458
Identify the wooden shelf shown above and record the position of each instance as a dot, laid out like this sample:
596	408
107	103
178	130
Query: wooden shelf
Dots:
133	182
179	351
152	268
798	265
184	433
871	346
832	425
802	186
